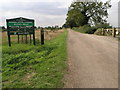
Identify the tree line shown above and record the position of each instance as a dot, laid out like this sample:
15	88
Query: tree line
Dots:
87	13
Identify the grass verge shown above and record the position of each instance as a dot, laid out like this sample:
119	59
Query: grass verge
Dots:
28	66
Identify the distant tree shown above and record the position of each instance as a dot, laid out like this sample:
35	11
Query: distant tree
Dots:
75	18
60	27
83	13
39	27
3	27
35	27
65	26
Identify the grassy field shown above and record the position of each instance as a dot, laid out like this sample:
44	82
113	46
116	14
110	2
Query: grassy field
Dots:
29	66
14	38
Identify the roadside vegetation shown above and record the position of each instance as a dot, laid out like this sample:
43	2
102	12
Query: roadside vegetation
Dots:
119	39
29	66
85	29
98	31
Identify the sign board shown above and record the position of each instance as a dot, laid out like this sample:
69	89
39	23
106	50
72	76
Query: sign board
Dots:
20	23
20	26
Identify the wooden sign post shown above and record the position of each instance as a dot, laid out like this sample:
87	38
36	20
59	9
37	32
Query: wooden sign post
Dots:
20	26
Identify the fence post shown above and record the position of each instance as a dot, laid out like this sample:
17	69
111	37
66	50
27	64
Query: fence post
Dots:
42	36
114	32
103	32
34	37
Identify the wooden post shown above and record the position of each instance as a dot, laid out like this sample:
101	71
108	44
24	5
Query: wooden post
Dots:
30	38
18	38
8	33
9	40
114	32
34	37
103	32
42	36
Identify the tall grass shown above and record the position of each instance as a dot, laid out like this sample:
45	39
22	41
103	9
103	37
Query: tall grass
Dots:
29	66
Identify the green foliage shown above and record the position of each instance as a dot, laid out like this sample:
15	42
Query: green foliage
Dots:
28	66
85	29
103	25
119	39
53	28
75	19
3	30
98	31
83	13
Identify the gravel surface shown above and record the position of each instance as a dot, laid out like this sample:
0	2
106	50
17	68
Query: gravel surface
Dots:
92	61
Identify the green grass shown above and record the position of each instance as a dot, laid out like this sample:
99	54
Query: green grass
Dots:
28	66
119	39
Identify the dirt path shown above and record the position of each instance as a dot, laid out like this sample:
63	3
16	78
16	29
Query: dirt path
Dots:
93	61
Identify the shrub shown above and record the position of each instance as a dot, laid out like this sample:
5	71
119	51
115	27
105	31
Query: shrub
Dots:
98	31
85	29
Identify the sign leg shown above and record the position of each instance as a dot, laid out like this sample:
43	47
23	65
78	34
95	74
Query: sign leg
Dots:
9	40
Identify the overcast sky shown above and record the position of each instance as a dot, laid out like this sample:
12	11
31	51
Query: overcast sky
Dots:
45	12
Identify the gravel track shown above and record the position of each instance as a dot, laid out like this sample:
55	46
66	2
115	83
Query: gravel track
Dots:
92	61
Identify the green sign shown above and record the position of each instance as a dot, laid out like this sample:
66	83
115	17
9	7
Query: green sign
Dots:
20	24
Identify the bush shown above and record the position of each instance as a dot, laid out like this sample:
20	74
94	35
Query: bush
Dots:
98	31
85	29
105	25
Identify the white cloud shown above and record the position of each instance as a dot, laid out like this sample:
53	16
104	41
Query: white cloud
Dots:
45	12
36	1
113	13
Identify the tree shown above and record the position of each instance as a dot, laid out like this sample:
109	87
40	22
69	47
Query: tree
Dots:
83	13
3	27
75	18
65	26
